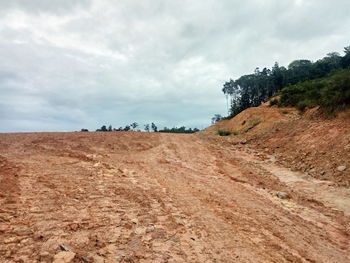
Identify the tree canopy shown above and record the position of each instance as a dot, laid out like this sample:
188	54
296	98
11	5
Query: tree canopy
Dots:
254	89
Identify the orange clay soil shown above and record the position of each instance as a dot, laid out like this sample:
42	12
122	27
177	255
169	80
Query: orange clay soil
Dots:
152	197
305	142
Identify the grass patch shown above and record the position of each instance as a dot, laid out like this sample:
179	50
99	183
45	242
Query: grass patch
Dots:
274	102
251	127
226	133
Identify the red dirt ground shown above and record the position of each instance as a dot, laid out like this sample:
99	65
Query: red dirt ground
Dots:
152	197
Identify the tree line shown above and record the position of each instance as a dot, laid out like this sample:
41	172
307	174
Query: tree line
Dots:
151	127
254	89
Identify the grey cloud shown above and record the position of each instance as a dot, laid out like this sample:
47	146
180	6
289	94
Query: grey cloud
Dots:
44	6
87	63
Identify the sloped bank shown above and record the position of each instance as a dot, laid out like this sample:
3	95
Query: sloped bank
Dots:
306	142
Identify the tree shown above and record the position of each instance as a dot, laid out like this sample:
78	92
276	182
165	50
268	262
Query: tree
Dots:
147	128
110	128
254	89
84	130
134	125
345	61
154	127
127	128
216	118
103	128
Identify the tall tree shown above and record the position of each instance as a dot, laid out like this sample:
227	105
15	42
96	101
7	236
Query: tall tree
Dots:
154	127
147	128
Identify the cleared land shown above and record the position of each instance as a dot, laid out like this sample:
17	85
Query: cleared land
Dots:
150	197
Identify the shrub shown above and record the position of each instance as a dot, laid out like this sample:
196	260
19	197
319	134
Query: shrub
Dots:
274	102
224	133
331	93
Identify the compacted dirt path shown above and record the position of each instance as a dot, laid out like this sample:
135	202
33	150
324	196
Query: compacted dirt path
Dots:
150	197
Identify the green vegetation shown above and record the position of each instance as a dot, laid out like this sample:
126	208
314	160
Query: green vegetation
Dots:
179	130
302	79
256	123
147	127
330	93
224	133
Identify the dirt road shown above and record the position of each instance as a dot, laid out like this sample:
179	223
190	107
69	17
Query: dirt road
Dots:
150	197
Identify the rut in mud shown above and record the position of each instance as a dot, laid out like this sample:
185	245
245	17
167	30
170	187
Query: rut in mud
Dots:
150	197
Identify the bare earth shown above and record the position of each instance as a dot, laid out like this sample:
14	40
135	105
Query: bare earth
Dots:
150	197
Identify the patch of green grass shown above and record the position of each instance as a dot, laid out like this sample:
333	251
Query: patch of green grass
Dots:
255	124
224	133
284	112
274	102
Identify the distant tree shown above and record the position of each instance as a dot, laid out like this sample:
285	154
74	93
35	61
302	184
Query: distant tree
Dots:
147	129
127	128
345	61
134	125
216	118
103	128
154	127
179	130
84	130
110	128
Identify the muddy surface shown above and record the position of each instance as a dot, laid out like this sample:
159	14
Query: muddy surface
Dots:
149	197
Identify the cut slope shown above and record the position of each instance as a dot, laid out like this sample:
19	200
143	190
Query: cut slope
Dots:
257	120
304	142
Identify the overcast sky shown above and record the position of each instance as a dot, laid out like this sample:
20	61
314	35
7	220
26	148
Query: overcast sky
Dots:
67	65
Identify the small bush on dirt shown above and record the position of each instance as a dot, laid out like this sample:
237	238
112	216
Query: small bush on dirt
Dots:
224	133
274	102
284	112
302	105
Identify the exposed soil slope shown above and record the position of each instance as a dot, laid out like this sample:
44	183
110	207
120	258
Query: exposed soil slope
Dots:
257	120
306	142
150	197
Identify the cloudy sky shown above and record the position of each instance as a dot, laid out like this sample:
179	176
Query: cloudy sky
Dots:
67	65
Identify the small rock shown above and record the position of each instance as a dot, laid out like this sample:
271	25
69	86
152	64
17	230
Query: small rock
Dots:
341	168
150	229
10	240
312	170
273	159
130	258
64	257
98	259
282	195
174	239
64	248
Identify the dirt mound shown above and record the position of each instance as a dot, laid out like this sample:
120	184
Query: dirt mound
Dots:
257	120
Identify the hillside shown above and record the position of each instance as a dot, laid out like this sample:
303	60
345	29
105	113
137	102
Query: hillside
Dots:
306	142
